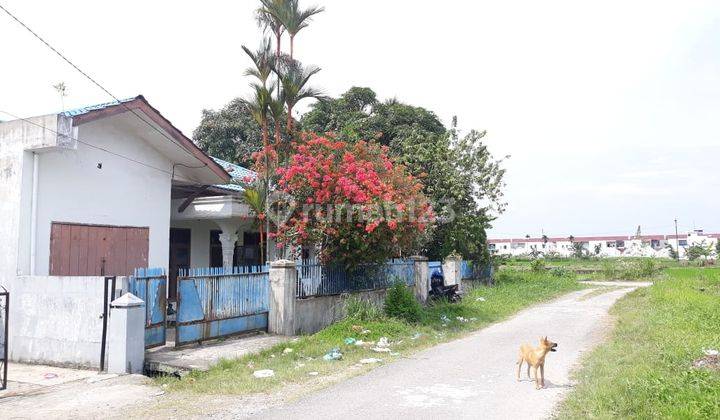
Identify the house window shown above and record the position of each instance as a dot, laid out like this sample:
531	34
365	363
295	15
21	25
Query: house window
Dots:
655	243
620	244
491	246
683	242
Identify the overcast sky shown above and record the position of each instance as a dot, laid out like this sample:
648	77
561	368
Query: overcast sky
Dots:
610	110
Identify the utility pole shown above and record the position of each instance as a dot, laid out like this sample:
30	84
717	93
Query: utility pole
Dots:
677	242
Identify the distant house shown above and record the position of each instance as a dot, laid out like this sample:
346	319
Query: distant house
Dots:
105	189
606	246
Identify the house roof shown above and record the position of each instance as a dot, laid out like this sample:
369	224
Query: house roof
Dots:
91	113
237	172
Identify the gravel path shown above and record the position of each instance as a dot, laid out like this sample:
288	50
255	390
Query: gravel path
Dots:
473	377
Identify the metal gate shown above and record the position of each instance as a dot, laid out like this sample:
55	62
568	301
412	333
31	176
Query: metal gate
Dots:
150	285
4	329
217	302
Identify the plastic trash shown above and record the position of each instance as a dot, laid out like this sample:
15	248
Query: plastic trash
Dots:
444	319
461	319
365	332
381	350
711	352
383	342
357	328
287	350
370	360
50	375
313	373
480	299
395	354
333	354
264	373
416	336
350	341
359	343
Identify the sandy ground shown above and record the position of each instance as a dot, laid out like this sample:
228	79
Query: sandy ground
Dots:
467	378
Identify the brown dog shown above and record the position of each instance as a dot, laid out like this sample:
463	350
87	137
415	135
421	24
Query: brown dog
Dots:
535	357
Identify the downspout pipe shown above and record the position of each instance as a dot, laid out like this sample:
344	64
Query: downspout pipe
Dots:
33	212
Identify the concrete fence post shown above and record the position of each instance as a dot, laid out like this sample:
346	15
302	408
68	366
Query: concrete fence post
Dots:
283	285
452	270
126	335
422	277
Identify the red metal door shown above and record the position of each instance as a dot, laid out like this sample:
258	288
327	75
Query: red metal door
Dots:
92	250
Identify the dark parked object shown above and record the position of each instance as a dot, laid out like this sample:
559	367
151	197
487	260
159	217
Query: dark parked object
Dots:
439	290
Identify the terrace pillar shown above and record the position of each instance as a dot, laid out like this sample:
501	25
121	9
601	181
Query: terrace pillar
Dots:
422	277
283	287
228	238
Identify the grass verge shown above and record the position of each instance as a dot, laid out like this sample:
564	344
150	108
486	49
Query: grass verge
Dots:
441	321
646	370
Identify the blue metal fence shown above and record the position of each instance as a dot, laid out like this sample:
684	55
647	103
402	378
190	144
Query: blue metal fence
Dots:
315	279
217	302
472	271
150	285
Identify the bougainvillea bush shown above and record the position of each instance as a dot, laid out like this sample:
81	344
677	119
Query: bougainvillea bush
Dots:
351	201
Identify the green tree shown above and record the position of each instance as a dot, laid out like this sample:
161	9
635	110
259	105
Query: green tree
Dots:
231	133
359	115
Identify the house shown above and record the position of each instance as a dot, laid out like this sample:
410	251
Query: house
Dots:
604	246
105	189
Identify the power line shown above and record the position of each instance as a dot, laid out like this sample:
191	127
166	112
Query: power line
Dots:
100	148
47	44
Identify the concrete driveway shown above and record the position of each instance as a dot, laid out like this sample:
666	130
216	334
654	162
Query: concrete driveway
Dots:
473	377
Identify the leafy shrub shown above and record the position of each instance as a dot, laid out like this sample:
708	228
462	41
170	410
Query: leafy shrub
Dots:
400	303
561	272
537	266
362	309
636	268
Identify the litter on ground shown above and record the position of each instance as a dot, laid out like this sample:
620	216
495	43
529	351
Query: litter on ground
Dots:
710	352
380	349
416	336
264	373
480	299
287	350
313	373
350	341
333	354
383	342
370	360
365	332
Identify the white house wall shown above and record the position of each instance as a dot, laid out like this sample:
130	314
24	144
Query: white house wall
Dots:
71	188
15	137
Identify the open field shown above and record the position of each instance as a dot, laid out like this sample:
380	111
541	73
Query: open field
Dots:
646	369
439	322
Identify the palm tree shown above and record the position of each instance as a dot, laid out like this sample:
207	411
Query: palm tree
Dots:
262	60
270	17
255	198
294	20
259	106
277	108
294	79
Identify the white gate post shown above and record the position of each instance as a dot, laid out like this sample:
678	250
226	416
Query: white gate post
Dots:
126	333
452	270
283	286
